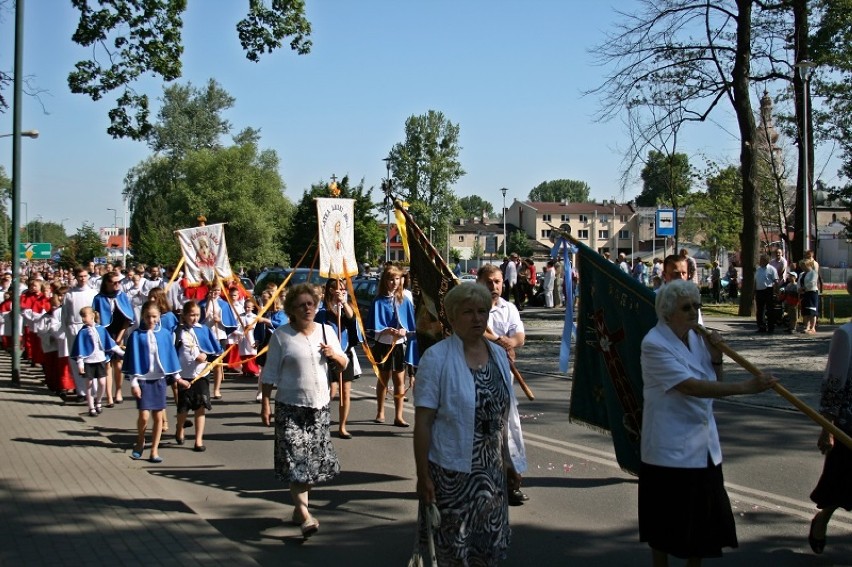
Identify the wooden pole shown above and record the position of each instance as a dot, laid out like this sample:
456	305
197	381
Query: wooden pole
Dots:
839	435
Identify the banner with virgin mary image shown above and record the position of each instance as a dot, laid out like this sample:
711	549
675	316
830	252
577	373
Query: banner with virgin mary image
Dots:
205	253
336	219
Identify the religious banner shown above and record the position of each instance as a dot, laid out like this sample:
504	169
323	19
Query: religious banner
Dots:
205	253
616	312
336	237
431	279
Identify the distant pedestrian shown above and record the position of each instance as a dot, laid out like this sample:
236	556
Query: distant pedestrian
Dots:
691	266
809	290
548	283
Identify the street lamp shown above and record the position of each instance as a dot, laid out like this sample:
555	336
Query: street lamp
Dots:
26	134
804	69
504	191
387	186
114	225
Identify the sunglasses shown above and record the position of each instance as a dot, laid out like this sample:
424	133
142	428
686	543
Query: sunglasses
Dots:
690	306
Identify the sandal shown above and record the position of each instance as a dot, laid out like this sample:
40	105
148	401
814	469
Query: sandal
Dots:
309	527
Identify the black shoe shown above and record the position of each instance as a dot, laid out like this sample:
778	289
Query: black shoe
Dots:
817	544
517	498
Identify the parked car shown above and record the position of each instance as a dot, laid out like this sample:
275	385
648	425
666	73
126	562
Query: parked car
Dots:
247	283
365	291
467	278
278	275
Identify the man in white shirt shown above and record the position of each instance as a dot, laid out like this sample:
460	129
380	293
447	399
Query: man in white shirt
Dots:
511	276
779	262
77	297
622	263
765	279
505	329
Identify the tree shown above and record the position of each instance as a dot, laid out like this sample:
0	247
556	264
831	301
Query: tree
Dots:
50	232
674	61
559	190
474	206
143	37
82	247
426	165
519	243
716	212
666	180
303	232
191	119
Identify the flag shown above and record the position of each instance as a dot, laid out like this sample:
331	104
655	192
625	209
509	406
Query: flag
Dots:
566	249
431	279
205	253
616	312
336	219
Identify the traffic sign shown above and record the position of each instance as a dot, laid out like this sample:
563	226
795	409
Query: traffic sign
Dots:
35	251
666	222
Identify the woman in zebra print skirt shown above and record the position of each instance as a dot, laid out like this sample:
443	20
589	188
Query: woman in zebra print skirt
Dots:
468	445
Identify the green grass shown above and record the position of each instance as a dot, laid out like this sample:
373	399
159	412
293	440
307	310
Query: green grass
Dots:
838	299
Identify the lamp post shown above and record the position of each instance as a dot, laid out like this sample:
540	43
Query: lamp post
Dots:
804	68
26	134
114	227
124	234
387	186
504	191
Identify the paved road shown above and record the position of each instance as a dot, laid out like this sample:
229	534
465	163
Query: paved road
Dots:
72	495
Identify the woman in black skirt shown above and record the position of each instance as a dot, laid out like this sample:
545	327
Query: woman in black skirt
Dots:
834	489
683	507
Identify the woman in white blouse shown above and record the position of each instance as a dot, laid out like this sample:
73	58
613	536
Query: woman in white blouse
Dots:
683	507
297	365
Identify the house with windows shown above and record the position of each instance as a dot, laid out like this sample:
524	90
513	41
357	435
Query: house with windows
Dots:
606	226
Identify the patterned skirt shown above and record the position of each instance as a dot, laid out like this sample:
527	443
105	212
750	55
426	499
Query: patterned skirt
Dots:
303	450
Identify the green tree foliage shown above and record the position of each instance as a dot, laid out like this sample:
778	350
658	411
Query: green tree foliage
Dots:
82	247
473	206
134	38
559	190
666	180
195	174
426	165
191	119
302	234
50	232
716	212
237	185
518	242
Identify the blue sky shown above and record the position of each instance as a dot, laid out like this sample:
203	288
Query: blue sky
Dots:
510	74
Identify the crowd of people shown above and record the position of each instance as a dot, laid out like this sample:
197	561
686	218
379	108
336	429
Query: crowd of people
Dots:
103	328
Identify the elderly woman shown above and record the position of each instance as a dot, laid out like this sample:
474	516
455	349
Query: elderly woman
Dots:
297	364
468	446
809	288
683	507
834	489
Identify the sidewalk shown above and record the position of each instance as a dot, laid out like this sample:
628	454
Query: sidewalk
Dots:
70	496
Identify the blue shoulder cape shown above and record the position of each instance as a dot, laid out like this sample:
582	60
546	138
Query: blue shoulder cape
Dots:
229	321
122	302
387	313
169	321
207	343
262	332
350	328
84	346
136	356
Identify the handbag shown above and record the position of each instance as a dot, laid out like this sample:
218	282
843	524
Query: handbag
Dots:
431	516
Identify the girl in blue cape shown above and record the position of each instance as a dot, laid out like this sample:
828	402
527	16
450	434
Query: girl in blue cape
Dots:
93	347
391	320
196	347
151	362
116	314
264	327
217	314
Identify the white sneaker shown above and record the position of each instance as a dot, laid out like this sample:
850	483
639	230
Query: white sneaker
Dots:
258	397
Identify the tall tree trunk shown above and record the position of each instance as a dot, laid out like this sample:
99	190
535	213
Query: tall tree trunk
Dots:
748	163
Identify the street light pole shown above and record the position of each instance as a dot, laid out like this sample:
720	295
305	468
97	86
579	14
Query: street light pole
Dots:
387	186
114	227
804	68
504	191
17	104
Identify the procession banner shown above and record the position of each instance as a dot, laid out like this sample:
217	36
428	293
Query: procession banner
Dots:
431	279
205	253
615	314
336	237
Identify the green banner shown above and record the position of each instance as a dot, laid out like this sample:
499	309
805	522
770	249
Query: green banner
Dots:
615	313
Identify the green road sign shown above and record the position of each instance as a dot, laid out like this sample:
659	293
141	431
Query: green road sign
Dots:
35	251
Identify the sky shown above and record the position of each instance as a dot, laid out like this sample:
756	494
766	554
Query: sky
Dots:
510	74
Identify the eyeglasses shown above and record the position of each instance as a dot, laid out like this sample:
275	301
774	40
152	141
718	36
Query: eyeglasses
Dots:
690	306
